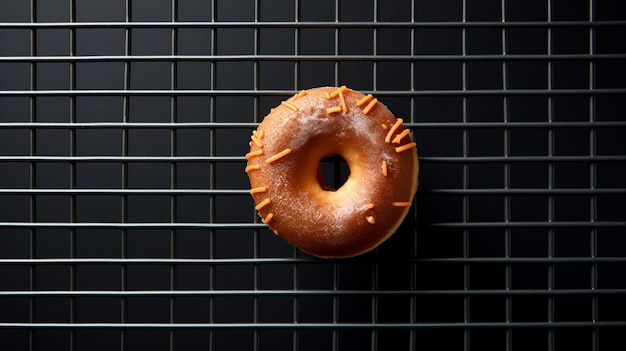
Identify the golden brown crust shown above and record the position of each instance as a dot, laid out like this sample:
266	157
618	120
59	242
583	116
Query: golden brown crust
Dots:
283	166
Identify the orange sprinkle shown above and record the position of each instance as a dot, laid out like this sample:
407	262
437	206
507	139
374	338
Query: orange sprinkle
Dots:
364	100
393	129
299	95
250	155
275	232
370	219
258	133
399	137
263	204
369	206
333	109
401	204
327	95
268	218
344	107
260	189
337	91
251	168
257	141
384	126
405	147
278	155
384	167
250	143
289	105
370	106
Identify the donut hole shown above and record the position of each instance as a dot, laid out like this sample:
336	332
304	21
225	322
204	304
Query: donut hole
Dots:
333	172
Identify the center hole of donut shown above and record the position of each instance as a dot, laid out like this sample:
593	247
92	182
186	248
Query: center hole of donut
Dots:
333	172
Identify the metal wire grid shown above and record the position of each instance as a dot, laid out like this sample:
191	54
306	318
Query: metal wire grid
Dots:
458	272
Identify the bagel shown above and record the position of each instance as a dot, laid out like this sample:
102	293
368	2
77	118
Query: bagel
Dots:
283	166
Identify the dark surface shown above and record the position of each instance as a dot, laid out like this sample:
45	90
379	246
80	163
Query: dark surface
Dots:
516	240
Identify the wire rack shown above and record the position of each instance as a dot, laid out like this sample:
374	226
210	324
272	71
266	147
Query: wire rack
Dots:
125	221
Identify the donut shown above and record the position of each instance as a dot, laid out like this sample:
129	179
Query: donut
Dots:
283	166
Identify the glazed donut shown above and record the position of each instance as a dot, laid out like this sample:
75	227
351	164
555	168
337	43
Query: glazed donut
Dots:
286	184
